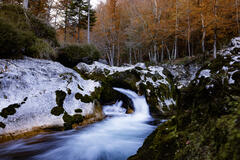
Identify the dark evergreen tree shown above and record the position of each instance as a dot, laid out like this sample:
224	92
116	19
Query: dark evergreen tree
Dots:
78	16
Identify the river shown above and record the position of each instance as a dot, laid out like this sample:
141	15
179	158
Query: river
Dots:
115	138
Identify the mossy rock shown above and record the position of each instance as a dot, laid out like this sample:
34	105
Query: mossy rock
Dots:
70	120
2	125
57	111
21	33
69	91
106	71
10	110
67	118
77	118
79	110
207	123
60	97
85	99
24	100
160	145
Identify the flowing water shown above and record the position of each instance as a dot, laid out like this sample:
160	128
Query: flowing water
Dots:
115	138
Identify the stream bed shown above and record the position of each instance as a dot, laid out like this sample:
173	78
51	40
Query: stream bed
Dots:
115	138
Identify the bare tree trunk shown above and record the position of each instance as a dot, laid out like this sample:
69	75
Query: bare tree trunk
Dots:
65	34
113	55
78	33
118	55
130	54
237	16
25	4
150	57
135	56
176	36
140	55
189	31
78	27
215	44
169	55
215	31
203	35
65	29
162	54
88	34
155	53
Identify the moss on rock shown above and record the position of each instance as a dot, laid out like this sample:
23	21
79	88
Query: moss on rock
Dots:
85	99
207	123
57	111
160	145
79	110
10	110
70	120
2	125
60	97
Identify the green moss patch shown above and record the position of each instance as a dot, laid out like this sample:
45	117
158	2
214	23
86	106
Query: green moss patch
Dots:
60	97
2	125
70	120
207	121
10	110
57	111
78	110
85	99
21	33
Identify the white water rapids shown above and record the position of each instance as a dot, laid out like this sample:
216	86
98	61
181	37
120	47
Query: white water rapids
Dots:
115	138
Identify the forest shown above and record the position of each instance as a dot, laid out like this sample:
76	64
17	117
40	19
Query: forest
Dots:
119	79
154	31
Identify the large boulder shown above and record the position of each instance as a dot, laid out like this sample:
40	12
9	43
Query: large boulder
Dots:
206	125
154	82
40	93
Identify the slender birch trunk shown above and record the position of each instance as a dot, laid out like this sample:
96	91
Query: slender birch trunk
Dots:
25	4
189	31
65	27
176	36
130	54
118	54
162	54
237	16
215	31
203	34
88	32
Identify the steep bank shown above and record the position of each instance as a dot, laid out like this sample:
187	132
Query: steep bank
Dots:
115	138
206	125
37	94
154	82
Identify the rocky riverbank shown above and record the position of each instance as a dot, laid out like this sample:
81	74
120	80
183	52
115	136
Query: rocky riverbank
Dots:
206	125
38	94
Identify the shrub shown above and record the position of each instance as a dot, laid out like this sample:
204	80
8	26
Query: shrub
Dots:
41	49
71	55
21	33
26	21
43	30
14	42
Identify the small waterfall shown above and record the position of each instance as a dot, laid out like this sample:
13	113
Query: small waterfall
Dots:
115	138
114	110
139	103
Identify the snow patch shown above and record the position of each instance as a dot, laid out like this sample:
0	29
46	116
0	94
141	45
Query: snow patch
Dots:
205	73
38	80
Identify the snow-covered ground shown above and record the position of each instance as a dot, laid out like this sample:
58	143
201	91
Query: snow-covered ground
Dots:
231	56
183	75
146	78
107	70
33	83
38	80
